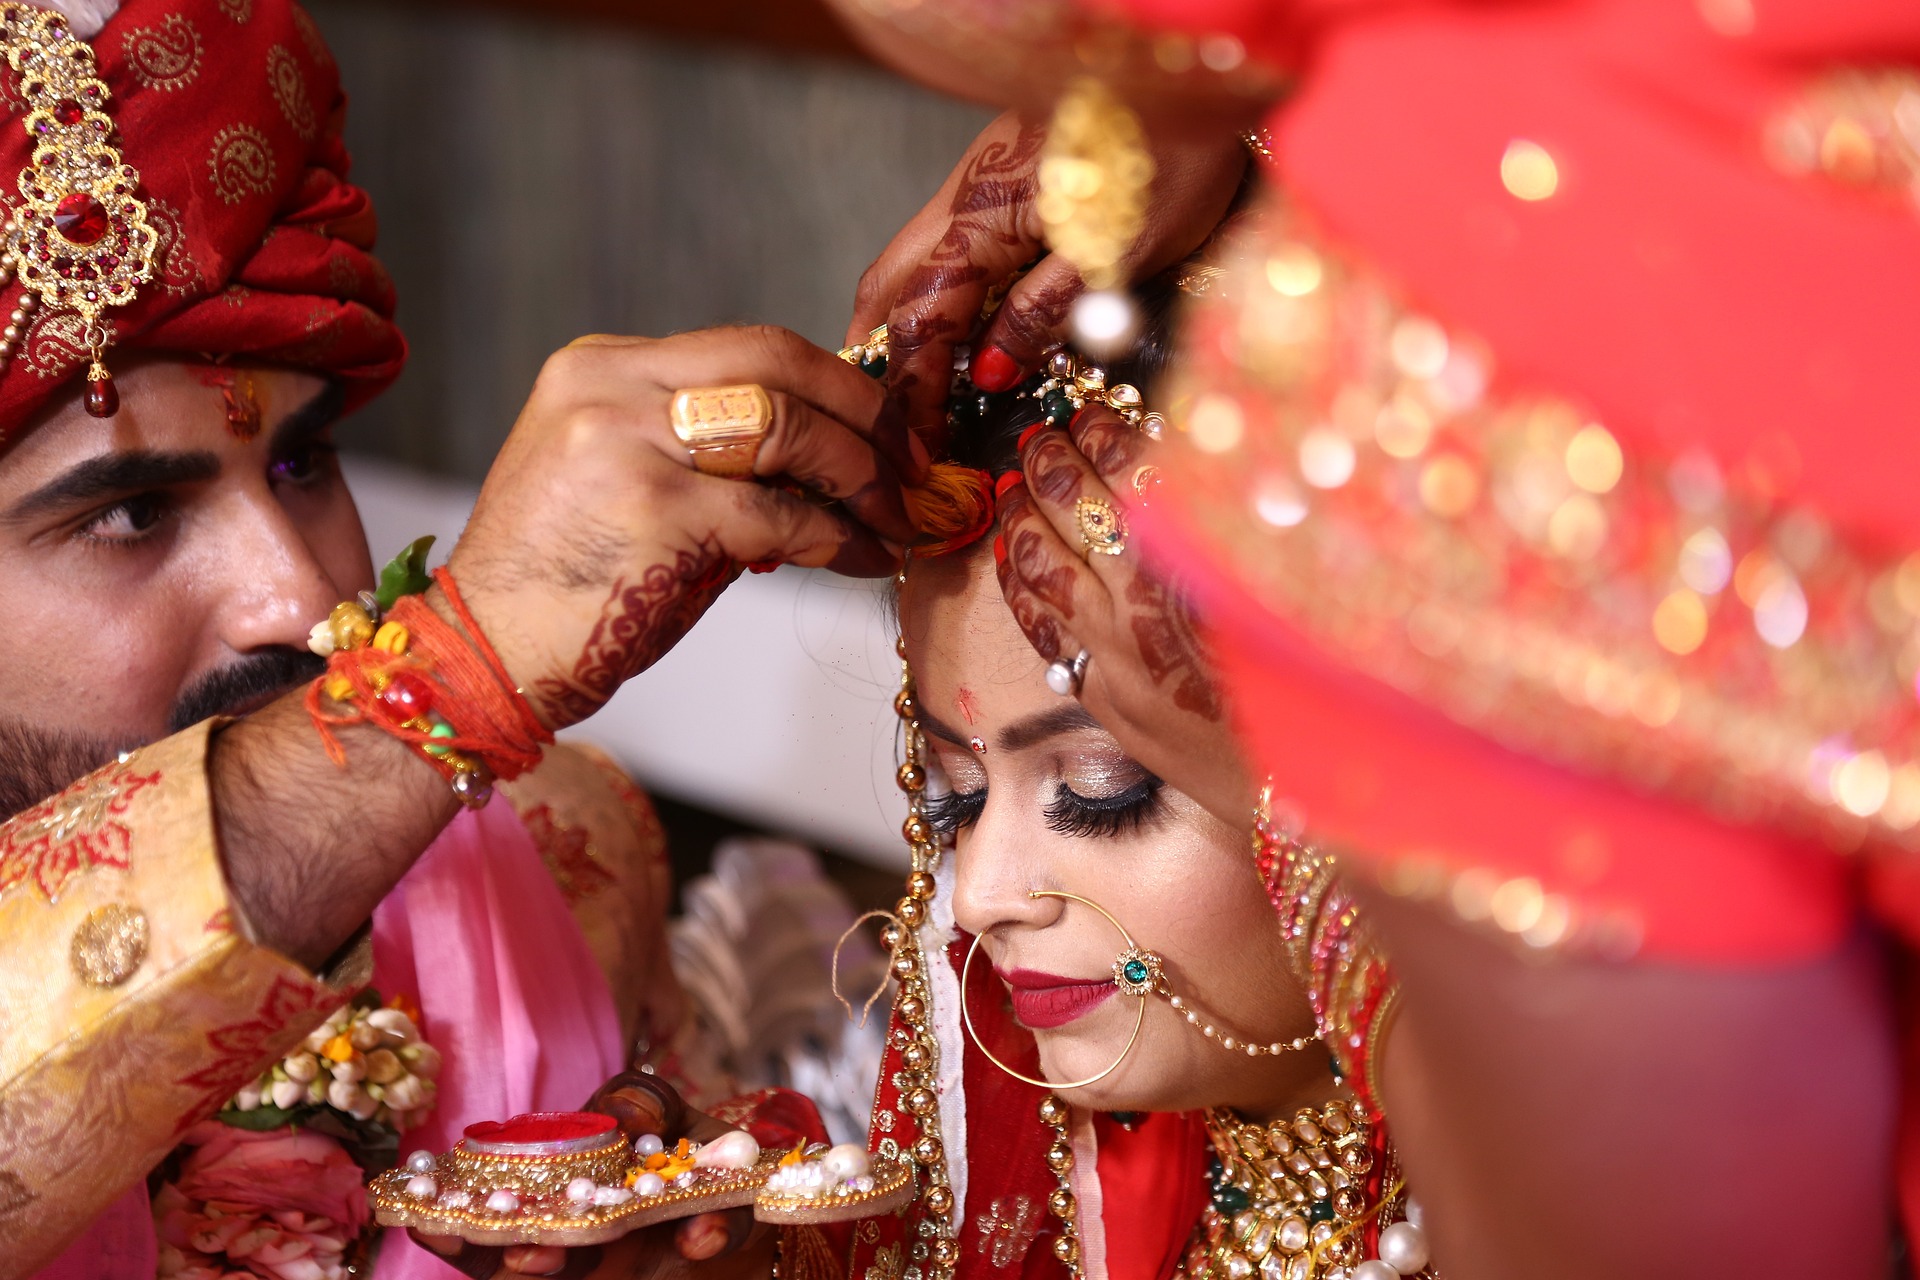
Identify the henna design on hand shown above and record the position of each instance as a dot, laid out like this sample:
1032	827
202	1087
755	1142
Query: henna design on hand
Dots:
1109	444
1171	647
1002	176
1052	468
1041	628
639	622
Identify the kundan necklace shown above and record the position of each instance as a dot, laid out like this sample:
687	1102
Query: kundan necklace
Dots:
1301	1199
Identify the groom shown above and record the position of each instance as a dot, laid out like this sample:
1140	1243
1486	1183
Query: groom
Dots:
186	913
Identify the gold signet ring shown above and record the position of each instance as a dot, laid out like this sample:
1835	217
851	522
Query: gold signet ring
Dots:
723	427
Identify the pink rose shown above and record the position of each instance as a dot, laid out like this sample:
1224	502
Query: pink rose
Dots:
284	1170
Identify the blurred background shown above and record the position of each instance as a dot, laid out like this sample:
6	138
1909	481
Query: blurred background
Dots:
548	168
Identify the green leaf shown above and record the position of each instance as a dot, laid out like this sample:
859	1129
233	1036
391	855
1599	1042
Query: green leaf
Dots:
265	1118
405	574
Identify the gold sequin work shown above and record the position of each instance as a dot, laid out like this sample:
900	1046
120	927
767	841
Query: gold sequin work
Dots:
1502	557
109	945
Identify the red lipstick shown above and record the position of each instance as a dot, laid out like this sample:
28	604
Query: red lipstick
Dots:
1045	1000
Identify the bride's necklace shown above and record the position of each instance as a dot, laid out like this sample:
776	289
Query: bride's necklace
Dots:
1294	1199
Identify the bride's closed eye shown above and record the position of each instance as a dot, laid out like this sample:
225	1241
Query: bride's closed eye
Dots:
1070	813
1127	810
949	811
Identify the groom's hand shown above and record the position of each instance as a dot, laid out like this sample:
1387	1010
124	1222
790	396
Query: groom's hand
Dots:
595	544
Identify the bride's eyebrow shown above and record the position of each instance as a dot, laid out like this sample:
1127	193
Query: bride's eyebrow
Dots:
1036	729
1021	734
934	726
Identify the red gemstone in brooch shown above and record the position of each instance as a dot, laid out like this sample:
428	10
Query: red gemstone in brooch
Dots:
80	219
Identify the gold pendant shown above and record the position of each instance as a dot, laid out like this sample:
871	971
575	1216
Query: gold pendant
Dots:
80	241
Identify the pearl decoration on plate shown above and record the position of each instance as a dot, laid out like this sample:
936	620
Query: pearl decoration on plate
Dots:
606	1197
421	1162
581	1190
732	1150
648	1144
1403	1247
503	1201
847	1161
422	1187
649	1184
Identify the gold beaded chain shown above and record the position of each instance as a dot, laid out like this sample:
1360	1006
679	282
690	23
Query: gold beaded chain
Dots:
919	1049
1062	1204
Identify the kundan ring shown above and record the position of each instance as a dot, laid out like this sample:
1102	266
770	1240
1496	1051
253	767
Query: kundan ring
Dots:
1103	527
723	427
1064	677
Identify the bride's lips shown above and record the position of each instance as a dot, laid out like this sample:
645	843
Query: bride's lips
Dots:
1045	1000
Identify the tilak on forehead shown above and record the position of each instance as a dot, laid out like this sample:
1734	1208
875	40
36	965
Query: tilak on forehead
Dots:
182	188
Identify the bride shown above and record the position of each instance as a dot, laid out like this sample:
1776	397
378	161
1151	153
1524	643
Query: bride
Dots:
1134	1023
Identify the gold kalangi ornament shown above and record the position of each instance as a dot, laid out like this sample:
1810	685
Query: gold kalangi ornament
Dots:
80	241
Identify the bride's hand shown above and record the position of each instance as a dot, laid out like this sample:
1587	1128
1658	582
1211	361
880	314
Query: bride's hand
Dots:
929	284
595	544
1148	679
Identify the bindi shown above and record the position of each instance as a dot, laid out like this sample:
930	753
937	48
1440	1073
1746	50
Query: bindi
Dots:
242	402
979	746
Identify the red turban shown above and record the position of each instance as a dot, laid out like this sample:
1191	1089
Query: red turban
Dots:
231	111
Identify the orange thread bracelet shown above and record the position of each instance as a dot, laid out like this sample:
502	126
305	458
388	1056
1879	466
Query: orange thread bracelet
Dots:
445	694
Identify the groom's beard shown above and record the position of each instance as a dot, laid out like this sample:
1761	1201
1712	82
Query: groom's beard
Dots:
35	763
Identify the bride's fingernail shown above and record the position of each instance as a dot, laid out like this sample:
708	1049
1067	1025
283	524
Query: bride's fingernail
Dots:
999	549
994	370
1006	481
1020	445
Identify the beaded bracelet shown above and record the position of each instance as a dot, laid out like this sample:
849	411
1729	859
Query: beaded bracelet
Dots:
406	670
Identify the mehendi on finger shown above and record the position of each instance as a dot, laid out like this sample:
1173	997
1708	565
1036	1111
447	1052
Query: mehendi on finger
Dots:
1041	628
1054	469
1171	648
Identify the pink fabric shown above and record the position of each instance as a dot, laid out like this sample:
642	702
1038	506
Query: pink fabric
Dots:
509	993
119	1245
479	935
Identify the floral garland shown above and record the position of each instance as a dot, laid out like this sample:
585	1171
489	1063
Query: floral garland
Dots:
274	1186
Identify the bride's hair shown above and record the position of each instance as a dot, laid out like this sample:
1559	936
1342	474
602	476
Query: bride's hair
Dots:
992	443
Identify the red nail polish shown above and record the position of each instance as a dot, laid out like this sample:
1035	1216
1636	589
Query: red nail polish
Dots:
994	370
1006	481
1028	434
999	549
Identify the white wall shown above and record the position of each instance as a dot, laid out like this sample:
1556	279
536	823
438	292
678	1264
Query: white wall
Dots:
777	708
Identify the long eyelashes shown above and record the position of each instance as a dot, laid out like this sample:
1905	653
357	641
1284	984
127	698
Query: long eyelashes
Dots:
1070	813
949	812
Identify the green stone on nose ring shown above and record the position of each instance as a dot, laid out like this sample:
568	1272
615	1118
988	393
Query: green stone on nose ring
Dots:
1137	972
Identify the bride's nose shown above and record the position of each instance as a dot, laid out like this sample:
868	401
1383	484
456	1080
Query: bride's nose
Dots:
1000	860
